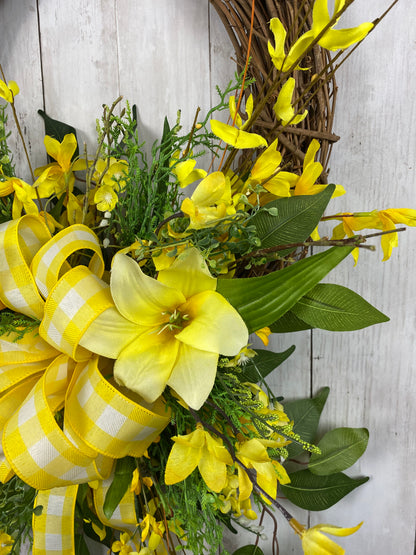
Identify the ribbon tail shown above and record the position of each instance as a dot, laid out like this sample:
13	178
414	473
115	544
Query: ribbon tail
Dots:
53	529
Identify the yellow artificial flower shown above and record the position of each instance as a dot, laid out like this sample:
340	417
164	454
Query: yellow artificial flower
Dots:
236	116
111	172
253	454
384	220
137	481
156	529
281	60
185	171
9	91
265	172
168	331
263	334
315	543
210	201
105	198
283	107
24	195
6	541
121	546
242	357
198	449
236	137
58	175
332	39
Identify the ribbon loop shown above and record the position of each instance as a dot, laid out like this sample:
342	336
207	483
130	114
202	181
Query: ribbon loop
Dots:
19	241
107	420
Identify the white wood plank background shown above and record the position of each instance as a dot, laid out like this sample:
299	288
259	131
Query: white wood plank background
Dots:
71	57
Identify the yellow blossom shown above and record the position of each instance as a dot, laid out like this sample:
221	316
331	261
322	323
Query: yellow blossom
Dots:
265	172
185	171
235	115
111	172
121	546
315	543
177	324
198	449
137	481
242	357
156	529
9	91
210	201
24	195
384	220
331	39
263	334
6	543
236	137
253	455
283	107
58	175
105	198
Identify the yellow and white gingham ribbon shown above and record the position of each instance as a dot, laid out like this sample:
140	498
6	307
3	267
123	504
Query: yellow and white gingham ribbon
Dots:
100	423
53	530
124	516
107	420
19	241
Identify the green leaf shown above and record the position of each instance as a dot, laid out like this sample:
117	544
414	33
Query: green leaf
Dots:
340	449
289	322
336	308
263	363
263	300
296	218
306	414
58	129
317	493
249	550
121	481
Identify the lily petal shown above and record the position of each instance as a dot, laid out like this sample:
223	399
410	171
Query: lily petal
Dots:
150	297
145	365
215	325
109	334
193	375
188	273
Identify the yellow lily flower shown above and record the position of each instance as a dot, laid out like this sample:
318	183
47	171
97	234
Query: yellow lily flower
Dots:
58	175
253	454
315	543
168	331
210	201
236	137
185	171
9	91
384	220
198	449
284	109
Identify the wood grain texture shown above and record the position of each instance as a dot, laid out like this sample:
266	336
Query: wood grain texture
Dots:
170	54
